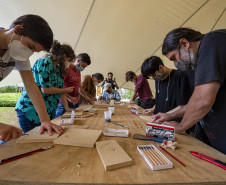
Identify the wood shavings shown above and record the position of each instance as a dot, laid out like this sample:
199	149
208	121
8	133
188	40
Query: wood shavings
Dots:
64	168
79	165
169	144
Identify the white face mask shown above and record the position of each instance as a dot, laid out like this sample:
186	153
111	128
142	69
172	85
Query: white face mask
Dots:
19	51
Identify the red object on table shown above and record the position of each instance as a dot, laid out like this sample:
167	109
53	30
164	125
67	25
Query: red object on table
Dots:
209	159
172	156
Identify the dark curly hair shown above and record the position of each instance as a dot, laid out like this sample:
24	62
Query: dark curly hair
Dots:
58	51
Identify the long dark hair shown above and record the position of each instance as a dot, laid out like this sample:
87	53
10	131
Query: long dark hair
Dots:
172	39
57	53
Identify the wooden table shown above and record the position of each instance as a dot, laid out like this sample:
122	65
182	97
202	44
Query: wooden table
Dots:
59	164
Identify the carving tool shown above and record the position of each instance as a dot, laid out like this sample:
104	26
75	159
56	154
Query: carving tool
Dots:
209	159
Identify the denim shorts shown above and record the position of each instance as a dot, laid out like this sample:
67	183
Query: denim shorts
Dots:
61	110
25	124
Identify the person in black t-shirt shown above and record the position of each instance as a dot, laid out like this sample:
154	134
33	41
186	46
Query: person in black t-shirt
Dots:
172	87
189	49
111	81
162	117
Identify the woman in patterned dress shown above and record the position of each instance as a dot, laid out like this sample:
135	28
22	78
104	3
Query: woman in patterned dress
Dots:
49	74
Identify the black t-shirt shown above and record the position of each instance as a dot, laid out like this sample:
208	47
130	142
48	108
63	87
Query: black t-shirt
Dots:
211	66
109	81
173	91
191	77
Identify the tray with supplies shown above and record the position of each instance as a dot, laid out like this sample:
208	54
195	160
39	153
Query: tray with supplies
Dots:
154	158
116	132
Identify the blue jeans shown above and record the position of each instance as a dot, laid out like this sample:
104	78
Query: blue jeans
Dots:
61	110
25	124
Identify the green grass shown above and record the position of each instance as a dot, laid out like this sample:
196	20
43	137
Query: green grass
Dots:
8	116
7	108
9	99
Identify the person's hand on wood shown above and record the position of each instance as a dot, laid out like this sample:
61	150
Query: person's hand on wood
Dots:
131	101
49	126
88	100
161	117
148	111
8	132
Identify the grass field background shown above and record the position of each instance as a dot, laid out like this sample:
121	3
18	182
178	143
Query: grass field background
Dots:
8	114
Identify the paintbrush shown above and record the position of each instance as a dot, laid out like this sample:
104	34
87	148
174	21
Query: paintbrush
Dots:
24	155
120	125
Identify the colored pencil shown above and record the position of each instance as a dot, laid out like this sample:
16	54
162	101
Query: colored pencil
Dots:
135	124
139	124
172	156
24	155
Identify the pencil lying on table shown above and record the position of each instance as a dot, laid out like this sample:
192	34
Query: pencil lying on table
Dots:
119	125
139	124
24	155
172	156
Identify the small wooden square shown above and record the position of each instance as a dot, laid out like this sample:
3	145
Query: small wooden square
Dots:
79	137
34	136
112	155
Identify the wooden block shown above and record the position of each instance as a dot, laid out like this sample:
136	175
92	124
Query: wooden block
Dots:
85	106
112	155
79	137
34	136
92	113
68	114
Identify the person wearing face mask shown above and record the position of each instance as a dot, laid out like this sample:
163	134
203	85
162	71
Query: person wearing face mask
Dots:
189	49
89	83
172	87
73	79
142	90
109	93
26	35
49	76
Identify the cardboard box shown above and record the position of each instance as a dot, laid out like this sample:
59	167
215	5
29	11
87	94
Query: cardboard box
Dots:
134	110
160	131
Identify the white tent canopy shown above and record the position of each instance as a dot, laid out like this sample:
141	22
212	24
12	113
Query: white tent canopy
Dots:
117	34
